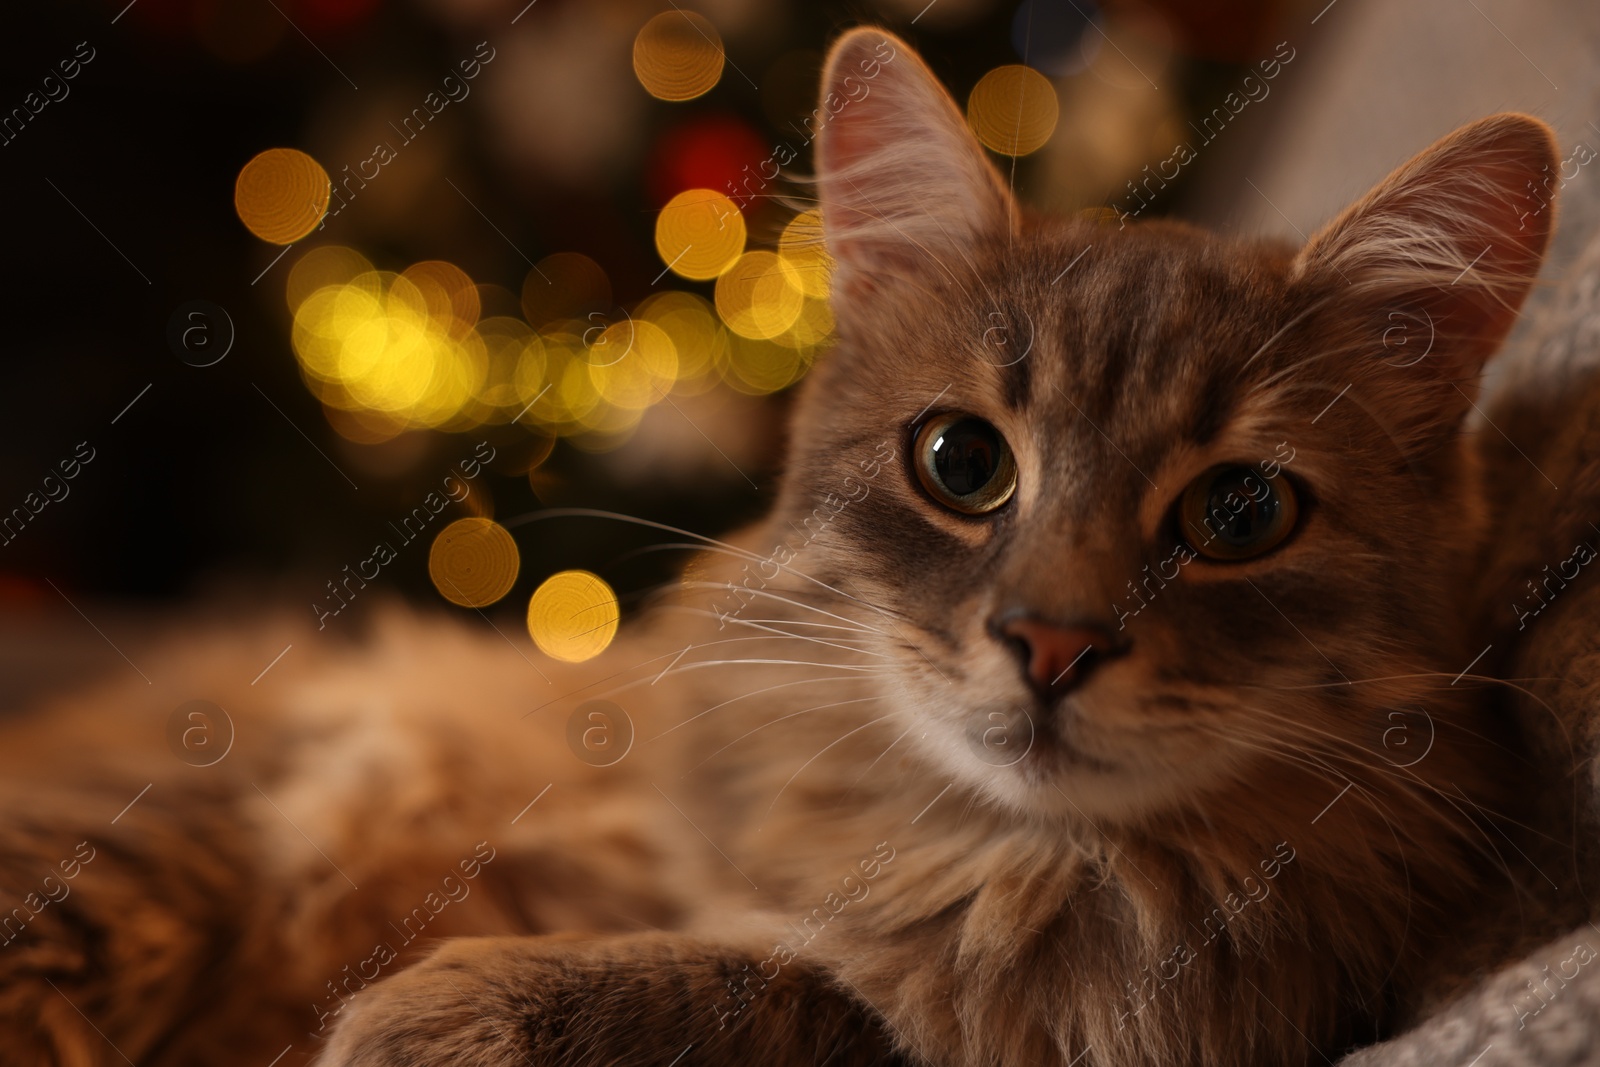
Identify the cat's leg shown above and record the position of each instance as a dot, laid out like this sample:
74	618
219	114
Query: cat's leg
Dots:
116	932
637	1000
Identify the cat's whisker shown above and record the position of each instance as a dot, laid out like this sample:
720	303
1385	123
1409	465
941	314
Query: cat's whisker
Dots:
1403	776
786	635
712	542
841	633
746	696
774	722
873	764
791	602
777	622
1285	328
813	759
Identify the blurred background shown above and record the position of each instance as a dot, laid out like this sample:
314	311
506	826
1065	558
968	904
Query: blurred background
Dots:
304	279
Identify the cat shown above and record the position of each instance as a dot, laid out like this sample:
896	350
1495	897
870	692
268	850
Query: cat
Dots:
1097	691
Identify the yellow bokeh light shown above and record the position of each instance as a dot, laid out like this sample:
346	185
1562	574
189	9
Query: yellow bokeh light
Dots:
515	363
760	297
700	234
573	616
473	562
813	326
1013	110
633	364
321	267
373	345
760	367
281	195
677	55
448	294
697	337
801	245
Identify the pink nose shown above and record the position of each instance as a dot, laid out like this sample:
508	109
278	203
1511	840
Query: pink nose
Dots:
1055	659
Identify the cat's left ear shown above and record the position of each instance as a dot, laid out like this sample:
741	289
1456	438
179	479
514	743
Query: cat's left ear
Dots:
903	183
1448	245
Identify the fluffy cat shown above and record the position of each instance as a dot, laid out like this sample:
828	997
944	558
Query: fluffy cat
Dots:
1093	695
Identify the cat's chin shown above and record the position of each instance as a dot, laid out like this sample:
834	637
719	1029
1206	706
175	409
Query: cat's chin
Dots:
1022	760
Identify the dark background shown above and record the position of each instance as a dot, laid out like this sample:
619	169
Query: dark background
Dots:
120	209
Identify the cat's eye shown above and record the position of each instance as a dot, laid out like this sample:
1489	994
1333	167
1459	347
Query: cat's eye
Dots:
1233	513
964	463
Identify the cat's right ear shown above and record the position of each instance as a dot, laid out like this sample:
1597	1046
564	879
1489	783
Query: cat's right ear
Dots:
902	182
1453	239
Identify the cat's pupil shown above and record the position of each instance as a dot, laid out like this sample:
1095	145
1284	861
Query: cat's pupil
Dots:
1245	505
966	456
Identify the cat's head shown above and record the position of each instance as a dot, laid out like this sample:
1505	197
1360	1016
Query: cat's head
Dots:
1135	507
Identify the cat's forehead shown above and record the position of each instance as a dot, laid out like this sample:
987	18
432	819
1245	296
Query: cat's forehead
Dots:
1158	332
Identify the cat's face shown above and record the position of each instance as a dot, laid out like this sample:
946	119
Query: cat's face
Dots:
1131	511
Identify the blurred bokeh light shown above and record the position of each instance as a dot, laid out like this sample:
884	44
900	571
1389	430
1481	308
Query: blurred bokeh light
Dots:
473	562
678	55
573	616
281	195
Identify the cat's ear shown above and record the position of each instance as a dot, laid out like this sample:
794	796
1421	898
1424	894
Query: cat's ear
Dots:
1448	245
903	183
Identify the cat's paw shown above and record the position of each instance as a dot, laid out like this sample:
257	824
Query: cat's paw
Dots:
466	1004
642	1000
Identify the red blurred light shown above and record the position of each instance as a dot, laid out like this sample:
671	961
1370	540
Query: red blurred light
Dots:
706	153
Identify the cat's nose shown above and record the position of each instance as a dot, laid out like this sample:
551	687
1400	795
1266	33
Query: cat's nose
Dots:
1055	658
